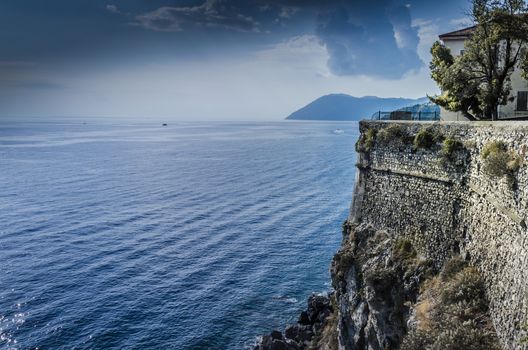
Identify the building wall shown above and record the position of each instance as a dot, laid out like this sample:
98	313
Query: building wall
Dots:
456	46
448	207
518	84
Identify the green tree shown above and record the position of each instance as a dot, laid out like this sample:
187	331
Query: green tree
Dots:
478	81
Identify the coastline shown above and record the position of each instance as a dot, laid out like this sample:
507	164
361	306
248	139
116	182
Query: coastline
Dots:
422	216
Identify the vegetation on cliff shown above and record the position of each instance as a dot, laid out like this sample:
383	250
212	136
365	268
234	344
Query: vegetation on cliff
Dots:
425	138
452	312
499	161
428	138
450	146
366	141
391	297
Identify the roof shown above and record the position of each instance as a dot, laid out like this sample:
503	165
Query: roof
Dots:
458	34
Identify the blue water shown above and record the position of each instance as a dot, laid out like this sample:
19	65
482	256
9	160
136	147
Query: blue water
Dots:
127	235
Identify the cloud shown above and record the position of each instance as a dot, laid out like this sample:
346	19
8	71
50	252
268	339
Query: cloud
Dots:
460	23
112	9
303	52
428	32
286	12
371	38
212	13
362	37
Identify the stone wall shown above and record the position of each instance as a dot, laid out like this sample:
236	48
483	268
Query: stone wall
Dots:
452	206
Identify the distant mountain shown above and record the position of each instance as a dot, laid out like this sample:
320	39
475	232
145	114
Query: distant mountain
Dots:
346	107
428	107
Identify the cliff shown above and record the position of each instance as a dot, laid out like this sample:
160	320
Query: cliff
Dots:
435	250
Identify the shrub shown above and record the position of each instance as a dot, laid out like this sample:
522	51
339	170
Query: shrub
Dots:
493	147
413	266
425	138
515	163
452	267
465	287
453	312
498	161
403	250
393	135
449	147
366	141
417	340
467	336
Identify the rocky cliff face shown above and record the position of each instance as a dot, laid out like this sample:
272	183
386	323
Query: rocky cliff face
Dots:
435	251
373	288
389	297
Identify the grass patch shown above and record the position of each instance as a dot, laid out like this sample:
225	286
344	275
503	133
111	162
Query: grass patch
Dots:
403	250
449	147
394	135
413	266
453	313
452	267
427	138
499	161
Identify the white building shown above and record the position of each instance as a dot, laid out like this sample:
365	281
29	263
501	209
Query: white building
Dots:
514	109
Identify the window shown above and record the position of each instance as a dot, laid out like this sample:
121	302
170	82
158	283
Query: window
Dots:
522	100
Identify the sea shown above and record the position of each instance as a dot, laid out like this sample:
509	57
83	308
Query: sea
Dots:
126	234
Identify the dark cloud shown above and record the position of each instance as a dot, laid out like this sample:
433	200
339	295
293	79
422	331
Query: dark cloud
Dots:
212	13
373	39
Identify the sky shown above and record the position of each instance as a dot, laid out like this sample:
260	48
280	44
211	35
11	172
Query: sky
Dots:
212	59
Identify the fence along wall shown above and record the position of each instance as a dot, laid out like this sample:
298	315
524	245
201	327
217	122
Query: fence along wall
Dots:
453	207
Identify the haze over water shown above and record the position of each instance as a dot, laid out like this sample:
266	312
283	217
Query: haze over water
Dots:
129	235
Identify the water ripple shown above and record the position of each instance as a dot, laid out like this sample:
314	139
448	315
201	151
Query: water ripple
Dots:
194	236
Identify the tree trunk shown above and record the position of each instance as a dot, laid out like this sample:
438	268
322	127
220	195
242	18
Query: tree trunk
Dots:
495	113
469	116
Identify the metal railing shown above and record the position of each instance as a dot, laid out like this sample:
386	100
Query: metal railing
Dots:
406	115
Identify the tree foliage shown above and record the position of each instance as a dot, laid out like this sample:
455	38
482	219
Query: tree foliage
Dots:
479	80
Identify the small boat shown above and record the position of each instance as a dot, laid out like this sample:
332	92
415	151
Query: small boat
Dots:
339	131
164	124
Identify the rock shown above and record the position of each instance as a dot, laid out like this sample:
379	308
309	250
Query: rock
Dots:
268	343
265	343
299	336
374	312
304	318
276	335
279	345
319	308
293	345
292	332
